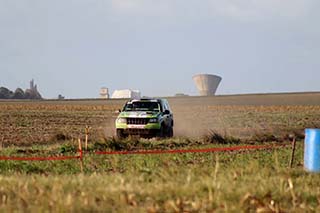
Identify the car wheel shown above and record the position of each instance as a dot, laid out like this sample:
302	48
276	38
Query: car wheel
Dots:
120	134
161	132
170	132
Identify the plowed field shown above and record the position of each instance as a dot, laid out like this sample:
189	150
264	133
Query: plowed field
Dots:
25	123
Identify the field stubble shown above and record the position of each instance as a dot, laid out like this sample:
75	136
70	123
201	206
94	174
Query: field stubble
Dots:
41	123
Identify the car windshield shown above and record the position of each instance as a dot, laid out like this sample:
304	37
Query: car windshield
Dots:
142	106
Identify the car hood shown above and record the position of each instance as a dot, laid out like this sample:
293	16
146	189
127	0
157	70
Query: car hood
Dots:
139	114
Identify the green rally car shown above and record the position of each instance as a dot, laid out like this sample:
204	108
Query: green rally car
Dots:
145	118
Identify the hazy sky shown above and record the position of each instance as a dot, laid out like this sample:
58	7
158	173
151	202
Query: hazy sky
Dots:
74	47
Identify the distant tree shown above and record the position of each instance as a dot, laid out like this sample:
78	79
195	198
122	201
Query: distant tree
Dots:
31	93
18	94
5	93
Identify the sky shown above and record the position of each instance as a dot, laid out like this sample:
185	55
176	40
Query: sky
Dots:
75	47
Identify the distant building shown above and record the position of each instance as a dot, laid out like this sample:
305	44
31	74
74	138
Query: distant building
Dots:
127	94
104	93
207	84
60	97
32	92
32	86
181	95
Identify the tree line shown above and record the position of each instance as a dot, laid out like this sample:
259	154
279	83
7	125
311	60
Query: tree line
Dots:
5	93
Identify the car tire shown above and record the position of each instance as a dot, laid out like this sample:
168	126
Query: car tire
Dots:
161	132
170	132
120	134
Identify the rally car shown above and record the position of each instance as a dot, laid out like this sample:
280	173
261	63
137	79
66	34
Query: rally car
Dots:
145	118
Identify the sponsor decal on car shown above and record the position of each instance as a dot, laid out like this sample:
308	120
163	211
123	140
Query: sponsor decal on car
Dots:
134	126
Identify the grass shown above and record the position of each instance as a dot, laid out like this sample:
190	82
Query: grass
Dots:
235	181
238	181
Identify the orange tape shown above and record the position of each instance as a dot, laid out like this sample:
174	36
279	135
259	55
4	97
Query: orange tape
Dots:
219	149
144	152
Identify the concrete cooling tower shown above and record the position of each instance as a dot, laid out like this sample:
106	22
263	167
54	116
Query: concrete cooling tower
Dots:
207	84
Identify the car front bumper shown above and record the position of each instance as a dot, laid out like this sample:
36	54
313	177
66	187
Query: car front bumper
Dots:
134	127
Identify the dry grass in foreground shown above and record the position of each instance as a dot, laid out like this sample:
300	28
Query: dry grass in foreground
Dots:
247	181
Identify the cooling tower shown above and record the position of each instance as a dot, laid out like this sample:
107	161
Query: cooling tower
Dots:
207	84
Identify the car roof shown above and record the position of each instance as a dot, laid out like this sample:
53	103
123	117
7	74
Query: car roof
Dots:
144	100
159	100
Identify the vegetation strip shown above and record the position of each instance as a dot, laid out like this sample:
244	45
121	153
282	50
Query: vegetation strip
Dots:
52	158
38	158
219	149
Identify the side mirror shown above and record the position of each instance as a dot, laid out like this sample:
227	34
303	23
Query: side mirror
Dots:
119	110
166	112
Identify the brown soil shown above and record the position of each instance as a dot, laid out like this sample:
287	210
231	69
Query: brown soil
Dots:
26	123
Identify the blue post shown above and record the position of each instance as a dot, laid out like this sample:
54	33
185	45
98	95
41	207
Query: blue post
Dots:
312	150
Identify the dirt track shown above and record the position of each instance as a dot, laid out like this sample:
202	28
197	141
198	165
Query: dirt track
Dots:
239	116
244	115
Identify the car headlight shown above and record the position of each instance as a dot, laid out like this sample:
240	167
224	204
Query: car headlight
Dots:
122	120
153	120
